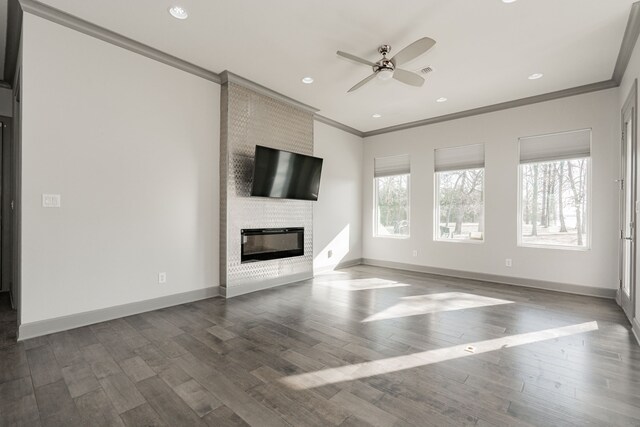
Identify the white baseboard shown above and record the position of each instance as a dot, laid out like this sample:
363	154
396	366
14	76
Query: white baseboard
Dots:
635	328
72	321
246	288
609	293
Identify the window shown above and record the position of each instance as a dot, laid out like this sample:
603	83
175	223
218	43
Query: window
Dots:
554	190
459	193
392	196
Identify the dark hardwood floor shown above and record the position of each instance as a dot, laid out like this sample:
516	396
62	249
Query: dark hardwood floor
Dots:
361	346
8	321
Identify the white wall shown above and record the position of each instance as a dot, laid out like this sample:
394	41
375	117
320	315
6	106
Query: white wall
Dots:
631	74
337	215
132	146
499	132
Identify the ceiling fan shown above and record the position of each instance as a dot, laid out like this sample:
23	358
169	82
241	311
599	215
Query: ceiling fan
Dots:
386	69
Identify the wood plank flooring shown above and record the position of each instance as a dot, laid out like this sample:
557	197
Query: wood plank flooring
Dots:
8	321
356	347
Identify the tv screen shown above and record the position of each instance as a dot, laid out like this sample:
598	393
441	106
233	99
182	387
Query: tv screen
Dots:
285	175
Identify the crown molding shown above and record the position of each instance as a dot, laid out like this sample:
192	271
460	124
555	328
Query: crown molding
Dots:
59	17
62	18
228	77
593	87
338	125
628	43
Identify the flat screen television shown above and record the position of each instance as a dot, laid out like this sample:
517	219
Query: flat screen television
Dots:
285	175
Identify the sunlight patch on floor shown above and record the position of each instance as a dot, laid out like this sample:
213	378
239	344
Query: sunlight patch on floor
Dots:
434	303
361	284
416	360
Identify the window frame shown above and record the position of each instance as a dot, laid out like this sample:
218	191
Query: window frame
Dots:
436	209
376	206
587	246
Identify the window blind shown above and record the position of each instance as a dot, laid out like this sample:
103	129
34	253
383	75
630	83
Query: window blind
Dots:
458	158
392	165
559	146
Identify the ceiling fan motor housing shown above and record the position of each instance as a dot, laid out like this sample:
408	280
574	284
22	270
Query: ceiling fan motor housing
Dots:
384	49
383	64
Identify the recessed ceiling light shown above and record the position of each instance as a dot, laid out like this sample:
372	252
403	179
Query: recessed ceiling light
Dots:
443	99
178	12
307	80
376	116
536	76
508	1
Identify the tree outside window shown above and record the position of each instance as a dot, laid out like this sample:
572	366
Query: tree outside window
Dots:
554	205
460	205
392	206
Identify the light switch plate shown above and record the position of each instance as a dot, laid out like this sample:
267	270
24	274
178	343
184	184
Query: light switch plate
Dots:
50	200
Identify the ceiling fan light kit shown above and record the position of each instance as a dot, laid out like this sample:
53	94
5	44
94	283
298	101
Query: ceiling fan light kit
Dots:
386	69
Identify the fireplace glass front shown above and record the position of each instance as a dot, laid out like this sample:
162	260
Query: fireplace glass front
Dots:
262	244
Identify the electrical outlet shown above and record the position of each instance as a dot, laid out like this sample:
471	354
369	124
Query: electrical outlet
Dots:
329	253
415	252
50	200
508	262
162	277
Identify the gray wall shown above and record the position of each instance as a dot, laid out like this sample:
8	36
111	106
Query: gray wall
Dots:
249	119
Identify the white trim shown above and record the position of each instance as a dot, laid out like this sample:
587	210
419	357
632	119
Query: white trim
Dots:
562	247
72	321
248	287
600	292
463	241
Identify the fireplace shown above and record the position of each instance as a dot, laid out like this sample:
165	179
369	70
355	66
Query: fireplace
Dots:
262	244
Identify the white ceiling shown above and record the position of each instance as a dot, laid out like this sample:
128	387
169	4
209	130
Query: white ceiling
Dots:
485	49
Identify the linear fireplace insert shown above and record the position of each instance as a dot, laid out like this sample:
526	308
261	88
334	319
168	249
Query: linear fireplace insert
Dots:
262	244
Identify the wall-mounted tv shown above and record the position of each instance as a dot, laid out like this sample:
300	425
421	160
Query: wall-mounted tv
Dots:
285	175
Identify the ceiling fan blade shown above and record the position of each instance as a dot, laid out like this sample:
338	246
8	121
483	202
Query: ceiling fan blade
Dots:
412	51
355	58
362	82
408	77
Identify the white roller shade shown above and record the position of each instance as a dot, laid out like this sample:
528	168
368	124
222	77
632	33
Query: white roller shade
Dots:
458	158
559	146
393	165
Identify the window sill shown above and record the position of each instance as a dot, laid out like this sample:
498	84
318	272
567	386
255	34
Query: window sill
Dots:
473	242
391	237
557	247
